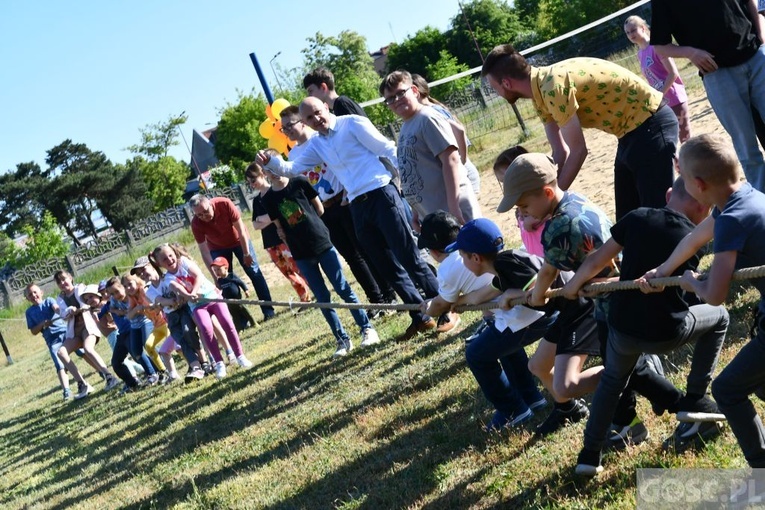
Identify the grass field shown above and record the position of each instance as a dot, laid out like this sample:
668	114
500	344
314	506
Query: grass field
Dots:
391	426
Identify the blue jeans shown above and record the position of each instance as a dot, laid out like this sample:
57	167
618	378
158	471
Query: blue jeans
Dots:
119	355
705	326
645	164
138	338
330	264
253	272
744	375
732	91
381	226
500	366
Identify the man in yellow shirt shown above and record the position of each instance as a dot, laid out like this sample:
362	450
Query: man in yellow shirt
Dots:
591	93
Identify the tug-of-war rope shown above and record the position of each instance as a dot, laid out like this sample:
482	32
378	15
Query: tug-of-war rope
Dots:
591	289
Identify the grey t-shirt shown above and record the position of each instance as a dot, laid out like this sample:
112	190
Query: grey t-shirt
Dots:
422	138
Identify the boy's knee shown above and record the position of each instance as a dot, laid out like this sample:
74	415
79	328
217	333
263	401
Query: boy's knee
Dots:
537	368
564	389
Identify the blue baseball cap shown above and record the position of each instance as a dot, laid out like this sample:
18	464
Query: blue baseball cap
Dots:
478	236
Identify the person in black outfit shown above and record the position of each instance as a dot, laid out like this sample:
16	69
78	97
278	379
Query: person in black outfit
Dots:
231	287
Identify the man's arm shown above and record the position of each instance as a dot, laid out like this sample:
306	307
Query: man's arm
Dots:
367	135
204	250
573	137
244	241
450	165
592	265
305	161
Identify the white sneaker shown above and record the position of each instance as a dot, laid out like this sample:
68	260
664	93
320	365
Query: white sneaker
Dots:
172	377
344	349
369	337
220	370
84	389
231	357
243	361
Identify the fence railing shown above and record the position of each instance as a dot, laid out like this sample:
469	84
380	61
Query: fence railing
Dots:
108	248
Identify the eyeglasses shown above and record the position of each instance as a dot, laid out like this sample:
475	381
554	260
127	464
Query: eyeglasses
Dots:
395	97
287	127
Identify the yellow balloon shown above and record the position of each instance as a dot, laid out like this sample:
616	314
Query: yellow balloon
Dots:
279	105
278	142
267	129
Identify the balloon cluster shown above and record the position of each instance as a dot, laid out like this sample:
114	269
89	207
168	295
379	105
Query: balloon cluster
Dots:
271	128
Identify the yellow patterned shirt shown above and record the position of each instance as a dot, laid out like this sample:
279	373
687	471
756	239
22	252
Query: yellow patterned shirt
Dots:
602	94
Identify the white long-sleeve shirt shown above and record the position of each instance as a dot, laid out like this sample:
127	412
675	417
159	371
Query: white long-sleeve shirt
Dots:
351	150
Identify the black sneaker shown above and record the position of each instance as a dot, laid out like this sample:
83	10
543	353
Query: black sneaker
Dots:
630	435
375	313
195	374
588	463
208	368
558	418
688	434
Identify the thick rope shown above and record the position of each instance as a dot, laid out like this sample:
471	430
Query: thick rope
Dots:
591	288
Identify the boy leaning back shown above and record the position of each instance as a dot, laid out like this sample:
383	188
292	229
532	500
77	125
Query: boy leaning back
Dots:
713	176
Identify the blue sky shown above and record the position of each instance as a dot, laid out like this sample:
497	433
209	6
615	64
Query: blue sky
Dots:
98	71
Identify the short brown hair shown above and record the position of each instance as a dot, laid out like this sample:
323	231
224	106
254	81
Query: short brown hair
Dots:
711	158
292	109
505	62
392	80
318	76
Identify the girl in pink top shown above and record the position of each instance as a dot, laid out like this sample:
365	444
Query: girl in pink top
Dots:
660	72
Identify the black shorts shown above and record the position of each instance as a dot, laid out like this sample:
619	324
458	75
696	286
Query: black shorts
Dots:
576	330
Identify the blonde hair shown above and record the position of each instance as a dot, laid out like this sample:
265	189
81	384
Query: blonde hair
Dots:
638	21
711	158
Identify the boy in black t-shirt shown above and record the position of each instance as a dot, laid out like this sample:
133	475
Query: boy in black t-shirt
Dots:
652	323
295	208
231	287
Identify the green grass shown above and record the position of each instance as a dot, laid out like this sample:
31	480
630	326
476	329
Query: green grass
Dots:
391	426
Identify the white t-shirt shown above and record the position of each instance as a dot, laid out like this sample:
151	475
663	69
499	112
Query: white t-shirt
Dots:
185	278
455	279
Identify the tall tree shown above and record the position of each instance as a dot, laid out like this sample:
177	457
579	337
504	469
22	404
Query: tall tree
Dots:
124	197
77	172
165	176
485	22
20	192
418	52
237	137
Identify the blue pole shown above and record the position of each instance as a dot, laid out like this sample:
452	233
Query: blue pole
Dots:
262	78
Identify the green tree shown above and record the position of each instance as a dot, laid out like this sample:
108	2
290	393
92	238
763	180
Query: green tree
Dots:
447	65
20	197
165	179
164	175
417	53
45	242
125	198
71	195
557	17
492	22
237	137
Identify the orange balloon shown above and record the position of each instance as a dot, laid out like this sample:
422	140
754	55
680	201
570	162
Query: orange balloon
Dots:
269	113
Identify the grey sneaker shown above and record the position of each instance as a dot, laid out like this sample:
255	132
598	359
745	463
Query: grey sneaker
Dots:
343	349
111	382
629	435
67	394
689	434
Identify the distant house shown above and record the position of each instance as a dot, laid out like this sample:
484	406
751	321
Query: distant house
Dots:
380	59
202	159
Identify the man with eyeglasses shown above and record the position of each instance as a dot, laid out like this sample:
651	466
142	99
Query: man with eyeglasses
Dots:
220	232
432	174
352	148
